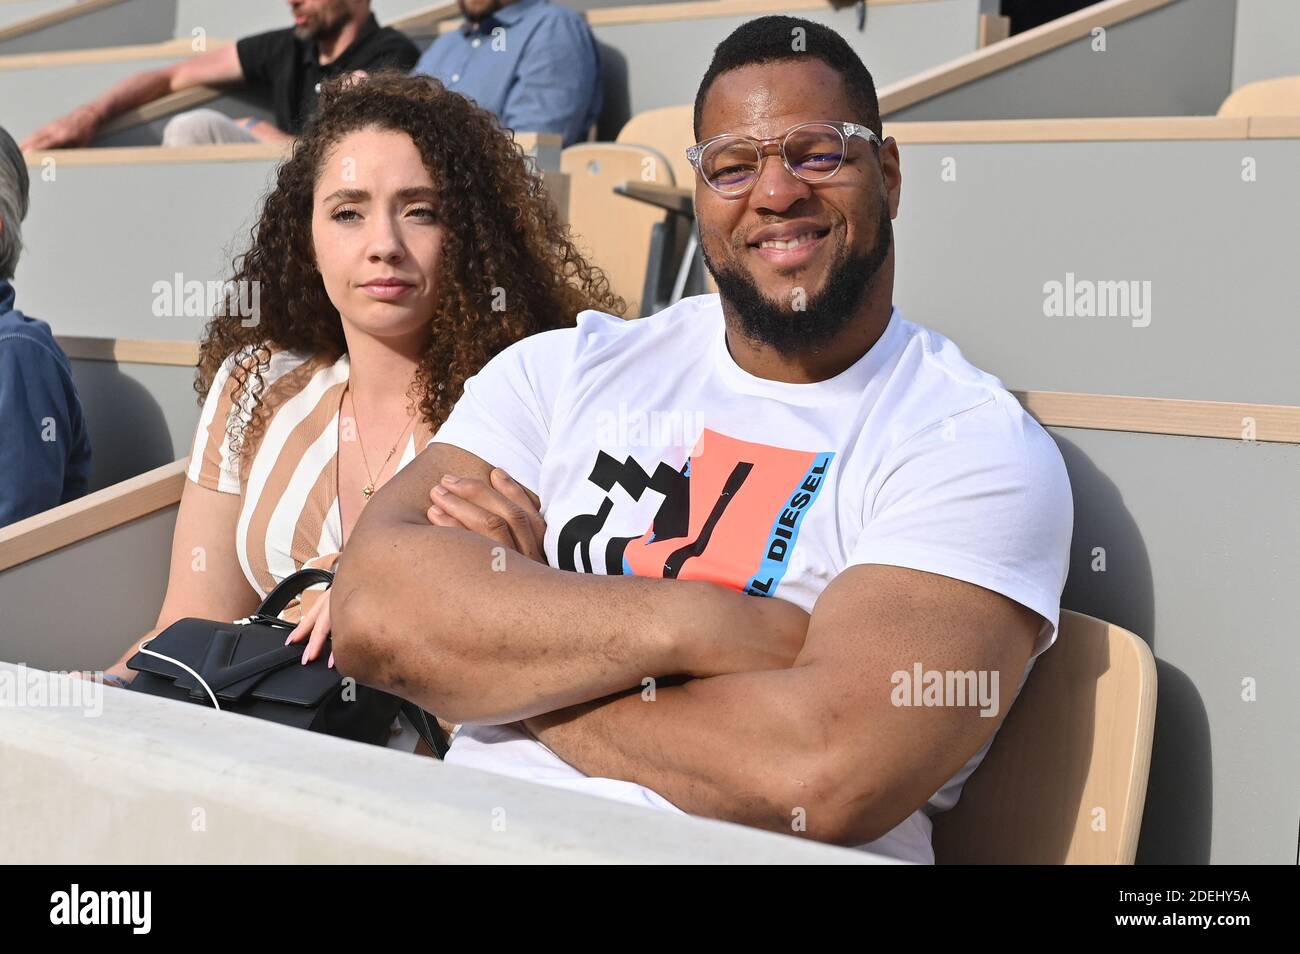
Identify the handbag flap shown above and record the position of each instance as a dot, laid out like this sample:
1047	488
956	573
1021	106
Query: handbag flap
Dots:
238	660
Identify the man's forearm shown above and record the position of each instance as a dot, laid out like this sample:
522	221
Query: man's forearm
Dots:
130	93
744	748
478	633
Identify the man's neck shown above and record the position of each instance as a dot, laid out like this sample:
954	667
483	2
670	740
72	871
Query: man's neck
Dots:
838	355
329	49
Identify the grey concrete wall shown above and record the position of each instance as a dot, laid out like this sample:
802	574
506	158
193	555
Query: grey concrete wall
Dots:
99	237
81	606
1174	61
210	787
974	254
140	416
121	24
1200	561
648	65
1267	42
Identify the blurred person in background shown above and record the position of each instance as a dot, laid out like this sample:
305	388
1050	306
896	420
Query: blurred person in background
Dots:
44	448
281	69
532	63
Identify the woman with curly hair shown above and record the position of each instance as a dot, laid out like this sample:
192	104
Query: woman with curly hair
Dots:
405	243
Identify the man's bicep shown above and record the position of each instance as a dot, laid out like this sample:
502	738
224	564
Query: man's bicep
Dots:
219	67
916	672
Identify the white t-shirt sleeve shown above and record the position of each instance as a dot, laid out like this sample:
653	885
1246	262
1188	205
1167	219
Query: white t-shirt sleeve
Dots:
981	497
505	414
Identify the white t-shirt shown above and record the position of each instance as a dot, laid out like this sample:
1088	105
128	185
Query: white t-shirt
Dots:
911	457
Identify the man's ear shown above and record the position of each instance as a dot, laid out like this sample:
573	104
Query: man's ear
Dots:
891	170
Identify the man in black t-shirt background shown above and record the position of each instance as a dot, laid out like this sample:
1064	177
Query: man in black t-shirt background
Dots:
282	69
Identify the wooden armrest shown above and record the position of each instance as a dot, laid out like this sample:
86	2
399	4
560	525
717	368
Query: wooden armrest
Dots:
673	199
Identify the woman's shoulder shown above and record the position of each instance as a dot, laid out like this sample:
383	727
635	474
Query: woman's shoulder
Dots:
276	374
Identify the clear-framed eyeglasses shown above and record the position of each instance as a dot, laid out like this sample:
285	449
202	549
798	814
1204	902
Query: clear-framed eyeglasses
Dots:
731	164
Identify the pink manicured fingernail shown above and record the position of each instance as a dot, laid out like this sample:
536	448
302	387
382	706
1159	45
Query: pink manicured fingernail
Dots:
331	665
440	491
436	511
449	479
304	655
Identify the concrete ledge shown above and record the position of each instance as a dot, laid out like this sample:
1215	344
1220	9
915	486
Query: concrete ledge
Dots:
154	781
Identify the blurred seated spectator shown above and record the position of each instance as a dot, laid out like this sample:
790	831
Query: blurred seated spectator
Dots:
44	450
532	63
1027	14
282	68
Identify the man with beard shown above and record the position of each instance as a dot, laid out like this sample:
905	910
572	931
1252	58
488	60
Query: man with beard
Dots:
282	70
531	62
729	559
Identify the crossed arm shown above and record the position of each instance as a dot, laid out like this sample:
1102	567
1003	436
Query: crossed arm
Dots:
784	720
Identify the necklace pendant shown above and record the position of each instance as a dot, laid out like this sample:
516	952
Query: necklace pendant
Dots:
367	491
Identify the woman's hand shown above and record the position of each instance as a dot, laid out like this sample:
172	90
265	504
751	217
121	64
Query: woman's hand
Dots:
314	627
118	676
500	510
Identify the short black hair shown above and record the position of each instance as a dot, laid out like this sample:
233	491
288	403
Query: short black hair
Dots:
773	38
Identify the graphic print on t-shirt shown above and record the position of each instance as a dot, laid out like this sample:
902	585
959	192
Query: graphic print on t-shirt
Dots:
730	515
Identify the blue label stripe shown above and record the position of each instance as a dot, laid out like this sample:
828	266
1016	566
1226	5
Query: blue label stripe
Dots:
774	569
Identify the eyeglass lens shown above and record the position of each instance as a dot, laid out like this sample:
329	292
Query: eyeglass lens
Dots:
813	152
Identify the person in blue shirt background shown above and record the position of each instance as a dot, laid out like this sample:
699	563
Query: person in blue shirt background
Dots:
44	448
532	63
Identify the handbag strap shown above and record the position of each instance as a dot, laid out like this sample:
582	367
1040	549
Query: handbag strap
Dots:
291	586
428	727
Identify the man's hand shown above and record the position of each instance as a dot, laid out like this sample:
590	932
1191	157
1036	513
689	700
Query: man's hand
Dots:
768	634
72	131
511	638
500	510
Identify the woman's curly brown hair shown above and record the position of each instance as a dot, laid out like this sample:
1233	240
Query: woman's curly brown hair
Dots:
501	232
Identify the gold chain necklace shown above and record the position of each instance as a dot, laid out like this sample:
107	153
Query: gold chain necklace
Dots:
369	489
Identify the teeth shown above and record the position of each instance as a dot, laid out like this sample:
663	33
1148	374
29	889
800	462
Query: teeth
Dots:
791	243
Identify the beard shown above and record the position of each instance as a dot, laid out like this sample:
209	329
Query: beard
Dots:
476	11
790	330
324	25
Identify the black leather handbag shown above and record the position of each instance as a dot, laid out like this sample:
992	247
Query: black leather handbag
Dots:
245	667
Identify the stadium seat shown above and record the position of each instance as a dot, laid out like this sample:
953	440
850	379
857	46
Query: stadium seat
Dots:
1272	97
614	230
1066	777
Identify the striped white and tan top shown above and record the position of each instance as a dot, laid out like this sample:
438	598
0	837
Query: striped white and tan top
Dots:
289	512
